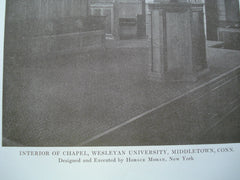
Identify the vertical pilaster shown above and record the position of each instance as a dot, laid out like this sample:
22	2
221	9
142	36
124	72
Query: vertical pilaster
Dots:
157	45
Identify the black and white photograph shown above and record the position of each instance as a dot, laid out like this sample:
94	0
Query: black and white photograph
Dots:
79	73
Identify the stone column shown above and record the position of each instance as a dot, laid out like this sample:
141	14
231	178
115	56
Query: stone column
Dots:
212	19
116	20
229	23
178	51
228	12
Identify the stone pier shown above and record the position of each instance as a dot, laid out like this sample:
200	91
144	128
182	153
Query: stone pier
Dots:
178	51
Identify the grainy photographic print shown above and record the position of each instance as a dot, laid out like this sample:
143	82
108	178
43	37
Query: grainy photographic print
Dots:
121	72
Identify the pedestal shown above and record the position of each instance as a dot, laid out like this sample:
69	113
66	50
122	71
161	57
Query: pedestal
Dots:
178	49
230	37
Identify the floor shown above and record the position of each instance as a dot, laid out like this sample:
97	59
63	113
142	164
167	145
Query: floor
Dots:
64	101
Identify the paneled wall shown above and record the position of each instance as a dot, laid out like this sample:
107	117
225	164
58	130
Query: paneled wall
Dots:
33	26
45	9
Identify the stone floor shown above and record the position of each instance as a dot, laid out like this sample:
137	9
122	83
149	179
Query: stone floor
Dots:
228	133
65	101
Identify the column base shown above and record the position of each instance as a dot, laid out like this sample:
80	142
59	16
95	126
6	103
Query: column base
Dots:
168	77
154	76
